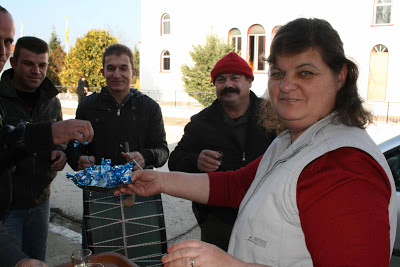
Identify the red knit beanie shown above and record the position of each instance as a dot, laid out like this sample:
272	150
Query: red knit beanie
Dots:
232	63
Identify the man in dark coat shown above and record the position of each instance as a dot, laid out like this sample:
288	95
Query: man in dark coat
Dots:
224	136
29	96
128	126
82	89
30	136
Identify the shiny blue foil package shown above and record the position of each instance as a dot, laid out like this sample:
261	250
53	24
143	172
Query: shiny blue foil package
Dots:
104	175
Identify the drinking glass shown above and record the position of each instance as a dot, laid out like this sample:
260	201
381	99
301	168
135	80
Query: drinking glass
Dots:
81	258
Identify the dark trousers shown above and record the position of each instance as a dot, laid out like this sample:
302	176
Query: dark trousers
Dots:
80	97
215	231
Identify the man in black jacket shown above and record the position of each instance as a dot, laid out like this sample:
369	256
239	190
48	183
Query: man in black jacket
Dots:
121	116
29	96
30	136
82	89
128	124
224	136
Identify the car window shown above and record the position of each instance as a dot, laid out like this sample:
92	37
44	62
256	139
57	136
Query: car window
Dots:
393	159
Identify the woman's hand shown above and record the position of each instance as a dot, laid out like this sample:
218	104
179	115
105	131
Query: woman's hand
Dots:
203	254
144	183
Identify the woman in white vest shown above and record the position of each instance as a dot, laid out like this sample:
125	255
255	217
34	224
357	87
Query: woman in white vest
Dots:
322	194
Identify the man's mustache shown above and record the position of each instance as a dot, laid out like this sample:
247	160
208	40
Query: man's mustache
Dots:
230	90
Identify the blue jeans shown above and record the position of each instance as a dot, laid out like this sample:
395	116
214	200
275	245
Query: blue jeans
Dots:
30	227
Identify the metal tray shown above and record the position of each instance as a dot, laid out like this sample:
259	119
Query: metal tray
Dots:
98	188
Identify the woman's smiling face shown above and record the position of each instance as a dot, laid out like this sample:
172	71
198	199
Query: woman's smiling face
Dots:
303	89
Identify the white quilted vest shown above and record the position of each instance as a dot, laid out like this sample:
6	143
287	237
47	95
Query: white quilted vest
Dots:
267	230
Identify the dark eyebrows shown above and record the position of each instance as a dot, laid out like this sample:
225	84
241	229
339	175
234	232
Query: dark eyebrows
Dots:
120	66
307	65
26	61
273	67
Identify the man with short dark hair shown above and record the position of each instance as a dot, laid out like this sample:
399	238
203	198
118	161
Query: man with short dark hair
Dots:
224	136
31	136
128	125
120	114
29	96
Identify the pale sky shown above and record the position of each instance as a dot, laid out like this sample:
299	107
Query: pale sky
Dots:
121	17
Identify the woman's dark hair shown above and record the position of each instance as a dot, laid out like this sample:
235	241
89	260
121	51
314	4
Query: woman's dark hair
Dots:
303	34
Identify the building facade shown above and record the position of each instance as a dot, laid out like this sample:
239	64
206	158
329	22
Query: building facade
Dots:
368	28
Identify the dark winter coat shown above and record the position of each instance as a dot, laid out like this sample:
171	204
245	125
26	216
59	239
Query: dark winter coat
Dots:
28	136
80	91
32	176
137	120
207	130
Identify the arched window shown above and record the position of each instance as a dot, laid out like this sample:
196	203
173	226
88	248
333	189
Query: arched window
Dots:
256	47
165	61
378	69
274	31
235	38
383	12
165	25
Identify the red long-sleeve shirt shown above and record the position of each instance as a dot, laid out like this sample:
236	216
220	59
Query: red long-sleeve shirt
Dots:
342	198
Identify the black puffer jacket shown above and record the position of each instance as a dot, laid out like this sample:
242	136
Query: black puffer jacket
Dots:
207	130
33	175
137	120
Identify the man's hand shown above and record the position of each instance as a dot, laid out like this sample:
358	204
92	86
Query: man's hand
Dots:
137	156
64	131
84	162
208	160
31	263
59	160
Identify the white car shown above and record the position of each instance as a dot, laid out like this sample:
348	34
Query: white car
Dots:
391	150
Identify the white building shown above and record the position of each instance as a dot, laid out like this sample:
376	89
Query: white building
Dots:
368	28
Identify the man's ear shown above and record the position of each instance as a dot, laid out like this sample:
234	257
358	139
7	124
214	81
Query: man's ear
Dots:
134	72
13	62
102	72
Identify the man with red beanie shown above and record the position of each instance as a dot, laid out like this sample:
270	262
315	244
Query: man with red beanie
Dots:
224	136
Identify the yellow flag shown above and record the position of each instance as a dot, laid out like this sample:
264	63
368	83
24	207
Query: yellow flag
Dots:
66	30
66	33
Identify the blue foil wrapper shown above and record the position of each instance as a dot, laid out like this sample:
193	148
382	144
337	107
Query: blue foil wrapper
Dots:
104	175
76	142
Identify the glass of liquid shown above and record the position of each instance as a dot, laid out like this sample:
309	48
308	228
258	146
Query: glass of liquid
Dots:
81	258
